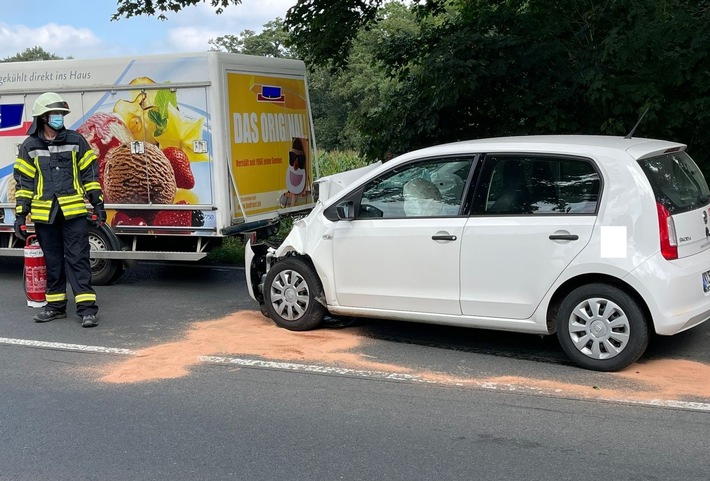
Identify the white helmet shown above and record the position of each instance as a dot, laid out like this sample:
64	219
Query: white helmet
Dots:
48	102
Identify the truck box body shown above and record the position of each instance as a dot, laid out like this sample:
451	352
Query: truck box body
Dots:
194	146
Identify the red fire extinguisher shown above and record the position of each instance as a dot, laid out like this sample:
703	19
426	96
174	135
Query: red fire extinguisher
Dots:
35	273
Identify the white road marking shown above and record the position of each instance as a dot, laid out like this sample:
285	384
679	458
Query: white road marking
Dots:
66	347
393	376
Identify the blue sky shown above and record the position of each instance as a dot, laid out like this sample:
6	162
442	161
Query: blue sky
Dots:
83	29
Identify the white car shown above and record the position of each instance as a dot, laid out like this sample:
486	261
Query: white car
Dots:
601	240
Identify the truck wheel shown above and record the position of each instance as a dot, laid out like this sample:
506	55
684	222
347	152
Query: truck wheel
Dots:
103	271
602	328
291	288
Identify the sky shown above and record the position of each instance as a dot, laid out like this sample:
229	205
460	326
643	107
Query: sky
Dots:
83	28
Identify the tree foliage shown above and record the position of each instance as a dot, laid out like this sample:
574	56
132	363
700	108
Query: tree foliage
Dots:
505	67
270	42
30	54
134	8
323	30
459	69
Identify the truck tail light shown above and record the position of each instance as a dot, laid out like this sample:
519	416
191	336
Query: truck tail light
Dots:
666	229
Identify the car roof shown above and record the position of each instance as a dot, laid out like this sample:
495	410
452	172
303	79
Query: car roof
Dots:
582	145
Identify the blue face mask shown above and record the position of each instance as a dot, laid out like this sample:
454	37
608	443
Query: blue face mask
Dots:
56	121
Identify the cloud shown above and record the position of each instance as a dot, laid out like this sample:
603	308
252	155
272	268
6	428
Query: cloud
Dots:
186	31
190	39
62	40
196	25
250	14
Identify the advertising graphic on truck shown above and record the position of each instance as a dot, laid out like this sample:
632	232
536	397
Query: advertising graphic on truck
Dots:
191	148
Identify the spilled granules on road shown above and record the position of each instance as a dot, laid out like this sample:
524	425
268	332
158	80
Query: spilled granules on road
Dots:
243	333
248	333
668	379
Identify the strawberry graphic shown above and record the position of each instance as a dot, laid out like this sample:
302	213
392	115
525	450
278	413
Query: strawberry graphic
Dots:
123	219
181	165
174	217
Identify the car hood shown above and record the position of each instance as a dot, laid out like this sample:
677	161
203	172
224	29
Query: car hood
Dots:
330	185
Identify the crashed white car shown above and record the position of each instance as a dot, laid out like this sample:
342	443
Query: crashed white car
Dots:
601	240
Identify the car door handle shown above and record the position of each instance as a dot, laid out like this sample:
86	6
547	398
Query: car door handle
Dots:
564	237
443	237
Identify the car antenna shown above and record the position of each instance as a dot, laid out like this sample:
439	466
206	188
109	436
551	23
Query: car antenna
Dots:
628	136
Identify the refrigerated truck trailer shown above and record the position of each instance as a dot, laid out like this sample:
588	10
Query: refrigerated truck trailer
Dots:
192	148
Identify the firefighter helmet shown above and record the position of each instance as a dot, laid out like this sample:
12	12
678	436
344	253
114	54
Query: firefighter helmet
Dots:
48	102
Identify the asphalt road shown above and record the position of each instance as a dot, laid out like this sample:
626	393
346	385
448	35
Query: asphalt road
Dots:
498	406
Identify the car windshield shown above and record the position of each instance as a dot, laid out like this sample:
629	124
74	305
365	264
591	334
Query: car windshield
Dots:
677	182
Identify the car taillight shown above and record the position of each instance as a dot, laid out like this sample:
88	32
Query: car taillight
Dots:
666	228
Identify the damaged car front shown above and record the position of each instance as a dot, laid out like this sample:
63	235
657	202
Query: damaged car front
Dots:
304	240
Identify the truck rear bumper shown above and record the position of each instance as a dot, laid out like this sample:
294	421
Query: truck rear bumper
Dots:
130	255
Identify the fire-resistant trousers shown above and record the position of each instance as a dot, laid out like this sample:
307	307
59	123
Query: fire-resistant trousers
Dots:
65	244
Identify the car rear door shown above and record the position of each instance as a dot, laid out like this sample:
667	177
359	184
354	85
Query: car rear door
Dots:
532	214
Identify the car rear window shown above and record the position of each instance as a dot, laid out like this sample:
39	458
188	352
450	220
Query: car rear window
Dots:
677	182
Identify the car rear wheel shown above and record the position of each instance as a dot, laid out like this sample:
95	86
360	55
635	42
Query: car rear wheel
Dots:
291	290
600	327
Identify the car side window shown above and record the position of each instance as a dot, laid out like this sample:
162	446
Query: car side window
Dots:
537	185
431	188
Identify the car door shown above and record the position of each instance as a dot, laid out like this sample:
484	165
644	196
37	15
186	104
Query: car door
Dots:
532	214
401	251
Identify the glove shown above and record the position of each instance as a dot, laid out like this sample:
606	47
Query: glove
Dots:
95	197
21	227
99	216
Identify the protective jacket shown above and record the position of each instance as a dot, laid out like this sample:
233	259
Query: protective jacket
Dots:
63	170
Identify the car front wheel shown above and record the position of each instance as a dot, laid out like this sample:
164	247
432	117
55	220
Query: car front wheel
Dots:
291	290
600	327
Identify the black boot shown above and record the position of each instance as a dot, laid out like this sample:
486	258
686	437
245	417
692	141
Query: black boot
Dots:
47	314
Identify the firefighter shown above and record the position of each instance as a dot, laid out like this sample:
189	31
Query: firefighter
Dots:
55	171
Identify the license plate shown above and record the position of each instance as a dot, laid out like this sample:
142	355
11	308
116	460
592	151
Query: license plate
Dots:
706	281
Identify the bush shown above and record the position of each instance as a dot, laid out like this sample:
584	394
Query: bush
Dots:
337	161
230	252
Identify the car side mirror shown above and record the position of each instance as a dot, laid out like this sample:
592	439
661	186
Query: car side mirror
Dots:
346	210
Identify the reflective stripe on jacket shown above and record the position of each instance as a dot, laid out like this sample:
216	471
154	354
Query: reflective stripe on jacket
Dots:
64	169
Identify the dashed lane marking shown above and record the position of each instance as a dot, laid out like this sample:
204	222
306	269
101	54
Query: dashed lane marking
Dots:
332	370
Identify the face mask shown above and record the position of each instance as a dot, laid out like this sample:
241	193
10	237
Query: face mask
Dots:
56	121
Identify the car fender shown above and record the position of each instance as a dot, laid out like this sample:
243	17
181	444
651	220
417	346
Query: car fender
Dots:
312	237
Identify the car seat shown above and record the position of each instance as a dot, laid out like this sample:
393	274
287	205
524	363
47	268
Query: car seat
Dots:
513	197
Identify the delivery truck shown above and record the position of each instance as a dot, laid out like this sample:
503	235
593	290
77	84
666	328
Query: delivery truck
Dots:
192	148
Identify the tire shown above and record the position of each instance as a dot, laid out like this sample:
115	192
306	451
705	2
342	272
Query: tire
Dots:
291	290
602	328
103	271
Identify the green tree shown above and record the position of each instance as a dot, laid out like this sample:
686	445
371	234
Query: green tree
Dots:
270	42
30	54
321	30
364	83
133	8
479	68
490	68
